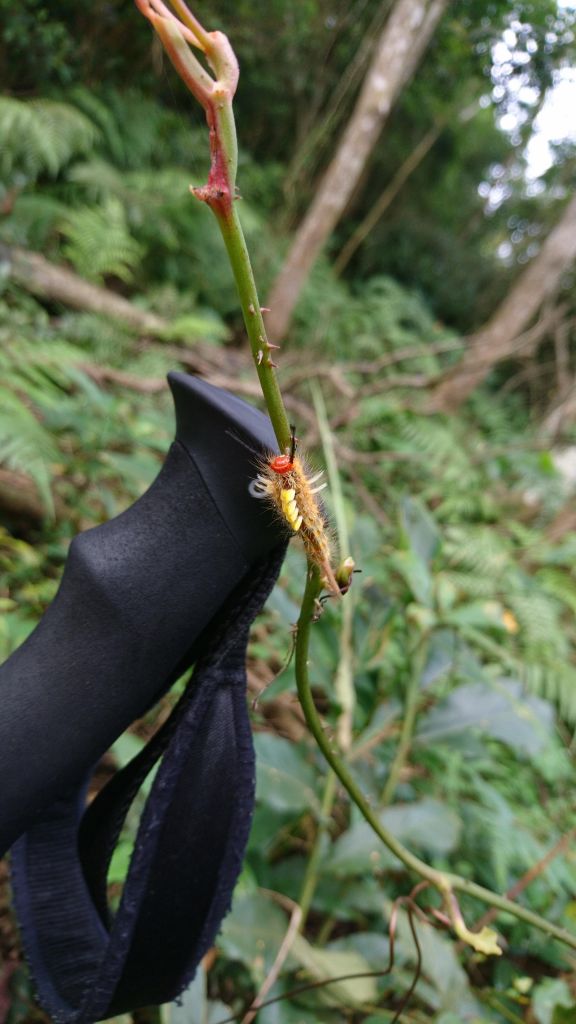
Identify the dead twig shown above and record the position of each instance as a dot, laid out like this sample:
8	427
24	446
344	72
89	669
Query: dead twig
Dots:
285	947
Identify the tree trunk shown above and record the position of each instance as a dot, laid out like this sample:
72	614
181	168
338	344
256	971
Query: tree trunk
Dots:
386	198
50	281
402	43
496	340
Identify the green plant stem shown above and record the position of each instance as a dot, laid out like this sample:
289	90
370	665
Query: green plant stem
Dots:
220	196
408	723
240	262
310	880
496	1004
446	883
344	676
225	125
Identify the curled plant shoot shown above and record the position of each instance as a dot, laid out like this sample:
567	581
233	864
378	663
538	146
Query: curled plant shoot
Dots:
181	33
214	89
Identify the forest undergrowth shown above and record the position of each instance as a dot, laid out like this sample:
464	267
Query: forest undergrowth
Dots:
452	685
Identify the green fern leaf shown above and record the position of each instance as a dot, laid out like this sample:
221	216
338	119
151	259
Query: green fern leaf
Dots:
41	136
98	242
25	445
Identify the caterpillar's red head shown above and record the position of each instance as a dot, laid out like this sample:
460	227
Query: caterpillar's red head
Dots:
282	464
285	463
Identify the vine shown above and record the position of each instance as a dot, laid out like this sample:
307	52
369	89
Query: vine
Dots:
180	33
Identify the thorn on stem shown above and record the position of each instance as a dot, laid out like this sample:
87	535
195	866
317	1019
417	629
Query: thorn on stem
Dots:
251	309
260	356
270	345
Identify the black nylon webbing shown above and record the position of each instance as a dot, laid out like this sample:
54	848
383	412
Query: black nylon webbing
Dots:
187	855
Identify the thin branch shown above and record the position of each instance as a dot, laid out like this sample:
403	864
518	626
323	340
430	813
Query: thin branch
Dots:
372	504
446	883
310	880
528	877
48	280
387	197
412	910
20	499
155	385
285	947
130	381
371	366
344	677
408	723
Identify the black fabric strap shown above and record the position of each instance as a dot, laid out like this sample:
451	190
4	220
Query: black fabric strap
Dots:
87	965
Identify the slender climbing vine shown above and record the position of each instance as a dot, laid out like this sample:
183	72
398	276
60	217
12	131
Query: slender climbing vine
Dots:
180	33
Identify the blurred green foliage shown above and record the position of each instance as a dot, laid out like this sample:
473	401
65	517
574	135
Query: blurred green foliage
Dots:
467	595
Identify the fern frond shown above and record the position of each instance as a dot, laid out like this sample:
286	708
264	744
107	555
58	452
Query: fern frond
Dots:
538	616
478	549
462	505
98	242
37	373
136	190
559	585
106	342
99	112
496	829
41	136
25	445
555	680
471	584
34	218
99	179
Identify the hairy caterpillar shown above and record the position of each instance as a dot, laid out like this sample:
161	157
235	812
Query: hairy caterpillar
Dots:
284	480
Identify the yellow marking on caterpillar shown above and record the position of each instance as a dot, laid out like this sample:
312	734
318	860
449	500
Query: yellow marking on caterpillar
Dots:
290	509
285	482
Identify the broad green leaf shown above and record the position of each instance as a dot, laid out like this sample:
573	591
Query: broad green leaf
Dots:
286	1012
253	932
550	995
285	780
502	710
440	966
441	653
120	861
416	575
386	713
426	824
322	964
419	528
127	746
374	947
193	1006
481	614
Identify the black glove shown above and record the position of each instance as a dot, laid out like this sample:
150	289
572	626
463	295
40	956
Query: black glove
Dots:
177	578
